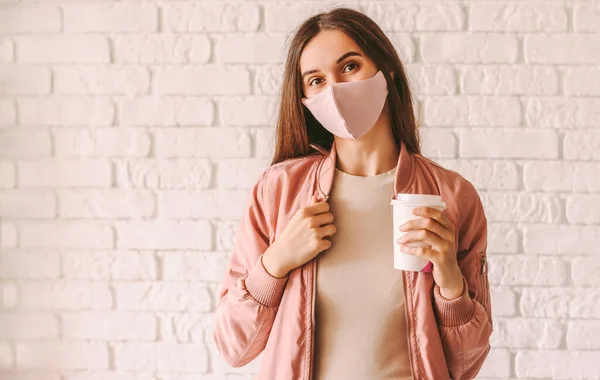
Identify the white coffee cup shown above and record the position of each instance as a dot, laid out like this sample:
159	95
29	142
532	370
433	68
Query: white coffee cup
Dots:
402	206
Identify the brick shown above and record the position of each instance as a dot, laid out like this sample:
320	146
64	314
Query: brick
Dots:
30	375
202	142
226	235
582	335
74	111
474	48
8	113
66	234
8	235
25	144
248	111
101	80
586	17
527	270
531	208
158	48
9	295
186	327
562	364
65	173
6	50
65	295
29	19
509	143
411	16
207	204
43	355
7	175
6	356
24	80
486	174
62	49
562	49
585	271
267	79
438	143
508	80
113	17
582	146
166	111
113	265
27	326
563	176
286	16
503	238
527	333
404	45
497	364
561	239
109	326
503	302
210	17
163	234
585	303
239	174
562	113
521	17
549	302
100	142
472	111
432	79
106	204
17	264
581	81
264	142
257	48
583	209
163	296
194	266
209	80
104	375
164	174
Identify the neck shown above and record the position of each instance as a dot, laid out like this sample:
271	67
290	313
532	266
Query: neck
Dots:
374	153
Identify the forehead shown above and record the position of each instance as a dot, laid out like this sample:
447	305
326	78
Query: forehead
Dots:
325	48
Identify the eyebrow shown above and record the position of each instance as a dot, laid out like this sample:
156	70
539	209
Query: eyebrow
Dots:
340	59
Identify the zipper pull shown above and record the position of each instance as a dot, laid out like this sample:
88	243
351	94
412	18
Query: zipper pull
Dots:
483	265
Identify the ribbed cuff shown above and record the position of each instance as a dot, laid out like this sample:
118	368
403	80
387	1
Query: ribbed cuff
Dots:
456	312
263	287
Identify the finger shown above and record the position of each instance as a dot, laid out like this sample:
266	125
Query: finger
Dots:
424	252
430	225
327	230
424	236
435	214
318	207
322	219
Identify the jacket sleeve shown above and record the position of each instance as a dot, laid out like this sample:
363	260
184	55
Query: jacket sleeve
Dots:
465	323
249	296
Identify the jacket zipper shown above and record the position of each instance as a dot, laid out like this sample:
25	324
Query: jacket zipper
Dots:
312	323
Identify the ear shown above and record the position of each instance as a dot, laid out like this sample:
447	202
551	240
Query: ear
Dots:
392	74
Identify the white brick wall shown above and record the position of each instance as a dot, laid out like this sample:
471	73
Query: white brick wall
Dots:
131	132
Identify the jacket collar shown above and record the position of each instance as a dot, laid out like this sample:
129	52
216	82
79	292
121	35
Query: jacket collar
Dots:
326	171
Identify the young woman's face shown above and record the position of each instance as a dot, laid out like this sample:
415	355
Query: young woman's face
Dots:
331	57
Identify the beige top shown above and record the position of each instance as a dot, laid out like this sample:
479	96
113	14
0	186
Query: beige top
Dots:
360	330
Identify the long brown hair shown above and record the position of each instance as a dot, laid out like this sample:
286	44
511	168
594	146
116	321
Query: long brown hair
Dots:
297	128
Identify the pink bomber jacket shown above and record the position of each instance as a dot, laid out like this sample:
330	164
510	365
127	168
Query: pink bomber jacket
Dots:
258	313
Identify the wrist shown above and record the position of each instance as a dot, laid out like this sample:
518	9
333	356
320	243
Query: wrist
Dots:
454	288
272	264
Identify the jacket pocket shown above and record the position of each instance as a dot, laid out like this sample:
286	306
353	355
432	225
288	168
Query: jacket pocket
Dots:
484	285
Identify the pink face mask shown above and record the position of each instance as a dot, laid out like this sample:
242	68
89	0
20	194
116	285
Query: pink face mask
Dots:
349	109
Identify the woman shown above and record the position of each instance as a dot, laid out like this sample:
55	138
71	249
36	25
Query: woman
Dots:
347	142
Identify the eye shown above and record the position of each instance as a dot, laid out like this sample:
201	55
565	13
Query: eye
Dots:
312	80
352	64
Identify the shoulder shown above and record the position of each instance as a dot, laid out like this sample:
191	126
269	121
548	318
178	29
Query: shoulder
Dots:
298	169
453	186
